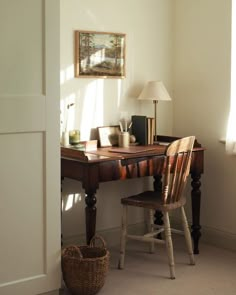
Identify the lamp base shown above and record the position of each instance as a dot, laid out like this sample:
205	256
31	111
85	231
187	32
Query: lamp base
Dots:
155	119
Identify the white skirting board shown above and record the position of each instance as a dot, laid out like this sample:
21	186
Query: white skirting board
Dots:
56	292
111	236
215	237
211	236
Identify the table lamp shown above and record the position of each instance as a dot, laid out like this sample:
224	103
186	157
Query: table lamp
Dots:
155	91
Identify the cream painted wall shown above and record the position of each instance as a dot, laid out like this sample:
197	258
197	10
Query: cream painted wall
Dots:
200	63
148	28
201	91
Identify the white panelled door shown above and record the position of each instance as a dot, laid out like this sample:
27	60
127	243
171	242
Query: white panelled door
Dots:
29	147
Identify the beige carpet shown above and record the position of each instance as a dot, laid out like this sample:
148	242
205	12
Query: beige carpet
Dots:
147	274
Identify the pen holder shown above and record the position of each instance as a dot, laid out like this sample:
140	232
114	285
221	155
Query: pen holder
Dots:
123	139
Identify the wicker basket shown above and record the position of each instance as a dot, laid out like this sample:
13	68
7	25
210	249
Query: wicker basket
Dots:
84	268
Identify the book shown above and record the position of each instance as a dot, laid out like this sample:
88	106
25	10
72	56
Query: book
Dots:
150	129
143	129
139	129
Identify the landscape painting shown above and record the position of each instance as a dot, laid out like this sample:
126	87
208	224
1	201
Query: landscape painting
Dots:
99	54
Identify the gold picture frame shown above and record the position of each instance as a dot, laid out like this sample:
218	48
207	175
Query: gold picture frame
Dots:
108	135
99	54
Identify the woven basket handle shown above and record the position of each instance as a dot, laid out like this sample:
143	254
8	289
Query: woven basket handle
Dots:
99	238
76	249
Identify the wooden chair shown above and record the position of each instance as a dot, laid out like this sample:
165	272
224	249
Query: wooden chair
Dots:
176	169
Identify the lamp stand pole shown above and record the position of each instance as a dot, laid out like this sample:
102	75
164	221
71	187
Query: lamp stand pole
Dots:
155	118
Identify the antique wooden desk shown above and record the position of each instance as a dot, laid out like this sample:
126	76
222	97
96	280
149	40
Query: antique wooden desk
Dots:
102	165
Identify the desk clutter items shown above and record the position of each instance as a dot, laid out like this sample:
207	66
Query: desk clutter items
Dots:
84	268
143	129
87	145
65	138
123	139
117	135
64	121
132	139
108	135
74	137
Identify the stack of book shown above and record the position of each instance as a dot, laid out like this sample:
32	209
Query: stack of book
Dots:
143	129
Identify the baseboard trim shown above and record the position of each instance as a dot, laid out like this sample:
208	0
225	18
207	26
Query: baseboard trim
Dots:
211	236
111	236
55	292
219	238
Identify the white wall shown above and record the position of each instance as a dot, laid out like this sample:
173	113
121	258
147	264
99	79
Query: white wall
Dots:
202	97
188	39
148	28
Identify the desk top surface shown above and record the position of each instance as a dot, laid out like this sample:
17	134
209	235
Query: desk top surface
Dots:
112	153
115	153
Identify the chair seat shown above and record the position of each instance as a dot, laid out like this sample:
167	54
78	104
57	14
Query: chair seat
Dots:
151	200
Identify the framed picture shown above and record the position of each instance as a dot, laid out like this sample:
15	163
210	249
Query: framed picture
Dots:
99	54
108	135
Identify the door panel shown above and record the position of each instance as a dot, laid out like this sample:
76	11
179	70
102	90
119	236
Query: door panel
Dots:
22	231
29	147
22	113
21	63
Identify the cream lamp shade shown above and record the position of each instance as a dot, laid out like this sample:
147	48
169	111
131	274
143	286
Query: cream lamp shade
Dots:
155	91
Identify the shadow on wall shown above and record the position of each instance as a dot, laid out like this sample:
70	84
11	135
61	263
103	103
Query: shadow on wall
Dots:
108	205
94	102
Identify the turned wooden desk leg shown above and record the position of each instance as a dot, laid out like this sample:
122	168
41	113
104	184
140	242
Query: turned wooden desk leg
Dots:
62	178
158	214
90	216
196	202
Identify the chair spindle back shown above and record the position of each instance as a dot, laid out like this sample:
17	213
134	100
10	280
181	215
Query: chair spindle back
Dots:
178	160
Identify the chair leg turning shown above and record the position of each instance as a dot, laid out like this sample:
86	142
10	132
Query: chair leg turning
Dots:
123	237
187	235
169	244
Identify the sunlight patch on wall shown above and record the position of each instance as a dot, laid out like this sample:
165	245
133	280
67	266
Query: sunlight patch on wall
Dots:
93	108
231	130
119	87
67	74
86	105
70	200
67	106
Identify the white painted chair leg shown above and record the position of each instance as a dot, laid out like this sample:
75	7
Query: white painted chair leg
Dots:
151	228
187	235
169	244
123	237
